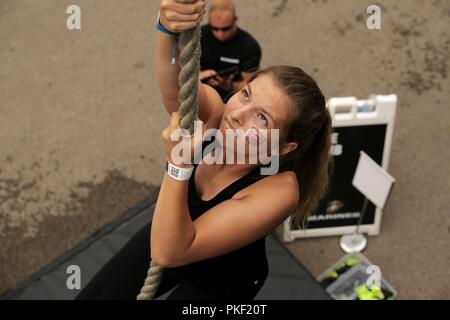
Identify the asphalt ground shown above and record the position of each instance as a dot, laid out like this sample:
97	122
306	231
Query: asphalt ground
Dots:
81	117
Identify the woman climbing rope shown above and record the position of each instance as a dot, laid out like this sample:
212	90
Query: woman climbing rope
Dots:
211	219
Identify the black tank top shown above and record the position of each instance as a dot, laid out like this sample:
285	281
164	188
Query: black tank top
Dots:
246	263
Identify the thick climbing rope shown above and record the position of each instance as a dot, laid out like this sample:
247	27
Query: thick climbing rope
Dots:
190	52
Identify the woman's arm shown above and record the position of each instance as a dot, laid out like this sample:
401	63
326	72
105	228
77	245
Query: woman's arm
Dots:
176	17
228	226
172	227
165	72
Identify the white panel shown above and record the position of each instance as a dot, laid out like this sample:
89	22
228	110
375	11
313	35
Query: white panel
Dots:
372	180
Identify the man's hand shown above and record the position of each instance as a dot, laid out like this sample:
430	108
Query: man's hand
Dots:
210	73
225	82
181	15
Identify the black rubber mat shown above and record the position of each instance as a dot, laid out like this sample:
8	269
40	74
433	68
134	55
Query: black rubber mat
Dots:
288	279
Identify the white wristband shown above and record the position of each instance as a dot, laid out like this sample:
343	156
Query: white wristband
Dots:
177	173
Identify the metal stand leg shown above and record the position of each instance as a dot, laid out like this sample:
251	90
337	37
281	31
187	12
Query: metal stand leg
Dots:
355	242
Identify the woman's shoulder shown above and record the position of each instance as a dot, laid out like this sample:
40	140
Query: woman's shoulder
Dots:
282	183
286	180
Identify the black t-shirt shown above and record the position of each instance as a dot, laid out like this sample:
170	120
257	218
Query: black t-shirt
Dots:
242	50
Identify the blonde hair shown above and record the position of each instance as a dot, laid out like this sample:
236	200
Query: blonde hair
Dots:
310	126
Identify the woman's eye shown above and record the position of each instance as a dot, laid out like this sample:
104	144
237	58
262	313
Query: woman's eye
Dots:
245	94
263	118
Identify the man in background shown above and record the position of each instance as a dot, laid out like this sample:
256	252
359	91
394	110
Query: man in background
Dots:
230	55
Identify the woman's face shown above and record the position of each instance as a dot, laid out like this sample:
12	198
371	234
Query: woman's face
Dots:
258	109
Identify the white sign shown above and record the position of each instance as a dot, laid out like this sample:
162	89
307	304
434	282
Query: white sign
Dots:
372	180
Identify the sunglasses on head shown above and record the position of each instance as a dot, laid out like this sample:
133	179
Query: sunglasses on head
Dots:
224	29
